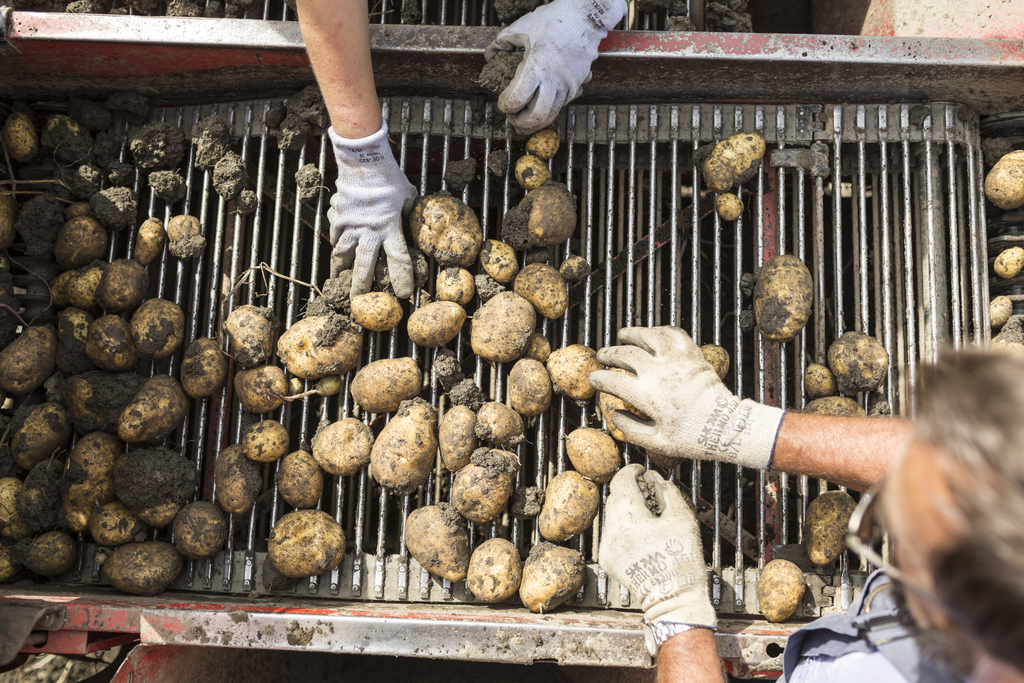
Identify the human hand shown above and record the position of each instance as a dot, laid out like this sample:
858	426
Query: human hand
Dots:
366	212
692	414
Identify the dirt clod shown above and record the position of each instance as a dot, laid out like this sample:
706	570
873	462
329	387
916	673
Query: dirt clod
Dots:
527	501
649	490
294	131
309	181
215	10
500	70
246	202
467	393
84	180
39	220
497	162
275	114
447	369
120	174
212	138
514	227
115	207
486	287
39	502
167	185
93	115
158	145
183	8
70	142
460	173
133	106
510	10
150	477
728	16
309	106
229	176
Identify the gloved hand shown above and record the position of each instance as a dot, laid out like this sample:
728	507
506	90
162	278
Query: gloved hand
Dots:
560	40
659	558
366	212
692	414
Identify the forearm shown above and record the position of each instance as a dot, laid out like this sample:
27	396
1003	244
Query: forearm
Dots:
851	451
691	656
337	37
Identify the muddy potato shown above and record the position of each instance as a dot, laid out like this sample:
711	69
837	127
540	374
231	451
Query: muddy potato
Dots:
403	455
8	567
27	361
499	261
89	477
840	406
8	217
498	424
81	289
200	530
11	525
45	432
158	408
253	330
782	298
95	399
446	229
551	575
1009	262
438	539
72	335
455	285
320	345
143	568
39	498
158	327
204	368
342	448
114	524
543	286
538	348
482	487
149	242
570	368
859	363
237	480
593	453
543	144
109	344
51	554
382	386
76	210
819	381
550	215
502	327
828	517
300	479
457	438
731	159
185	237
1000	309
265	441
728	206
261	389
79	242
436	324
59	288
529	387
123	285
154	483
531	172
495	571
20	137
570	506
780	590
1004	184
376	311
717	358
607	404
305	543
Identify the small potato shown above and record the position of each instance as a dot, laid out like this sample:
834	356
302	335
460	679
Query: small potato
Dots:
436	324
80	241
157	409
537	347
819	381
495	571
502	327
574	269
482	487
402	457
780	590
828	517
114	524
456	285
543	144
531	172
444	228
320	345
123	286
999	311
543	286
11	525
143	568
76	210
300	479
185	237
859	363
593	453
199	530
8	217
265	441
571	503
1009	262
51	554
252	330
382	386
529	387
551	575
149	243
158	327
834	405
28	360
570	368
607	404
728	206
81	287
204	368
343	448
783	297
261	389
20	137
46	432
717	357
89	477
457	437
237	480
376	311
437	538
499	261
305	543
109	344
498	424
731	159
1004	184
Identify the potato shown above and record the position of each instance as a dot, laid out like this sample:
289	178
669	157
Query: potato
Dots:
109	344
320	345
570	368
834	405
731	159
8	567
828	517
382	386
531	172
261	389
185	237
154	483
143	568
376	311
571	503
548	214
499	261
543	286
437	538
543	144
455	285
237	480
551	575
819	381
779	590
495	571
498	424
607	404
81	288
265	441
20	137
457	437
157	409
436	324
574	269
402	457
593	453
252	330
158	327
1009	262
728	206
89	477
342	448
72	335
300	479
96	399
537	347
8	217
446	229
1004	184
502	327
123	286
204	368
51	554
199	530
783	297
717	357
11	525
39	498
114	524
1000	309
28	360
79	242
149	243
859	362
305	543
482	487
529	387
45	432
59	288
77	210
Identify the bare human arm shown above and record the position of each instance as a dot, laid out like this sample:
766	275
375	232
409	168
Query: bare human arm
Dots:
690	656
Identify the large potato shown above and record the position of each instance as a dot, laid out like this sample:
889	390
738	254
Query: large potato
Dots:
1004	184
28	360
551	575
154	483
252	330
382	386
320	345
570	369
436	324
376	311
780	590
143	568
731	159
237	479
819	381
495	571
109	344
570	506
204	368
51	554
156	410
446	229
593	453
89	477
482	487
261	389
551	215
828	517
502	327
498	424
80	288
123	286
834	405
45	432
437	538
783	297
300	481
114	524
529	387
11	525
158	328
859	363
150	241
265	441
402	457
543	286
457	437
343	448
200	530
499	261
456	285
305	543
81	241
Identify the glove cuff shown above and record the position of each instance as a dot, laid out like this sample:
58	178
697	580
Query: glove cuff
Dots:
692	608
359	145
602	15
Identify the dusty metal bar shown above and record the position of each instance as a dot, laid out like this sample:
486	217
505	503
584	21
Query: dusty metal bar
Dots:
954	227
908	248
886	248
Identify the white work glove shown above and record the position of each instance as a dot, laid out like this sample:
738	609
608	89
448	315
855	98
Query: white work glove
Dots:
366	212
659	558
692	414
560	40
